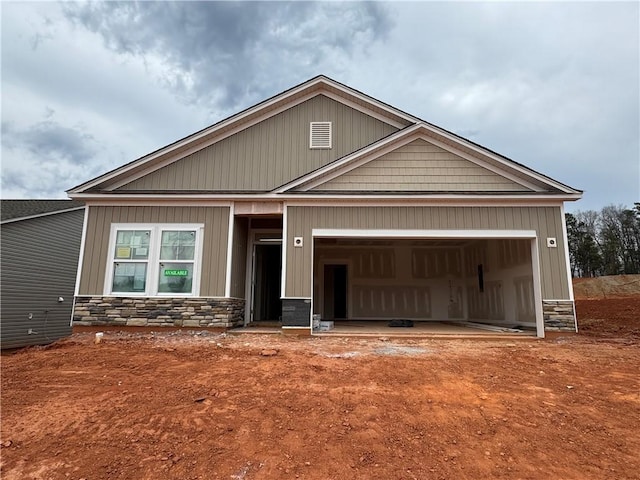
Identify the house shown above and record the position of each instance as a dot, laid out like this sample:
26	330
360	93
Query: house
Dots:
323	200
40	244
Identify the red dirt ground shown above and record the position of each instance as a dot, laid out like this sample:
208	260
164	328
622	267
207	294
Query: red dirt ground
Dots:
187	405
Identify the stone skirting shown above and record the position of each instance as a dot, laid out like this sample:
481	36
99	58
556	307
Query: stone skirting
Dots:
186	312
559	315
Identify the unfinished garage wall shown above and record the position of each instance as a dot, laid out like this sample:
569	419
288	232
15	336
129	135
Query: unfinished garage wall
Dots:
394	279
499	281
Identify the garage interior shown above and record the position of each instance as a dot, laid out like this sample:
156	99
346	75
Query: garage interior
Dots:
374	284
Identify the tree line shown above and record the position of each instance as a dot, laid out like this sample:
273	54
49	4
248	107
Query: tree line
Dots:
605	242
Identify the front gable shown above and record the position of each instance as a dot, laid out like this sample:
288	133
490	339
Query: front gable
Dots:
420	166
425	159
268	154
267	151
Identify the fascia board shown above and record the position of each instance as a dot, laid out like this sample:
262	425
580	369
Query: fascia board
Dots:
505	161
387	145
39	215
225	200
207	136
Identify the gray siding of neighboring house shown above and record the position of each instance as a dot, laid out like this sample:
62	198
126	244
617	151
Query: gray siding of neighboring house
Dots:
39	259
270	153
421	166
214	253
546	221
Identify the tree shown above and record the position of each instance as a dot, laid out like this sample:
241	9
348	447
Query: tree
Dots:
584	253
605	242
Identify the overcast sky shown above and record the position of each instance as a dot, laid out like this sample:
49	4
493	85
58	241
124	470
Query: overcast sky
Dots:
87	87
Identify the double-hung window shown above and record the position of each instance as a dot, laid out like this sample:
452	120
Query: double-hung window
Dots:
154	259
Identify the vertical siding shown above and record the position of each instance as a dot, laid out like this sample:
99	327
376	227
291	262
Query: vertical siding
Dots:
546	221
270	153
421	166
239	260
39	260
216	228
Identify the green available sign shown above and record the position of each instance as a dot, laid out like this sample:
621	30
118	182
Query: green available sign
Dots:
176	273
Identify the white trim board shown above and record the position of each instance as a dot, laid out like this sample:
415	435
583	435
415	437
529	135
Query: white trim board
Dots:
225	199
227	285
537	287
83	241
443	234
153	258
285	241
565	241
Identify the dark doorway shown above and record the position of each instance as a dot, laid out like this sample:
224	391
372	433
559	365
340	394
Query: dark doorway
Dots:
335	292
267	305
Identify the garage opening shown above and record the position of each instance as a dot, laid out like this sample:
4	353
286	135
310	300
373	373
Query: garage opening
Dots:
479	283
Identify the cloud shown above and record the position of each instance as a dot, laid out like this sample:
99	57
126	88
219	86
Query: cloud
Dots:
51	142
51	157
229	55
551	85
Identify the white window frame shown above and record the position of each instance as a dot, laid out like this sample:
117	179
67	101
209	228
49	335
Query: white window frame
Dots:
326	147
153	259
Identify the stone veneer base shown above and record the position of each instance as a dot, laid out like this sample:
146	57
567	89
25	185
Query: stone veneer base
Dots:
158	312
559	316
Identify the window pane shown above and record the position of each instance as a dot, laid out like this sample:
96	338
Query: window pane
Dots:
178	245
132	245
175	278
129	277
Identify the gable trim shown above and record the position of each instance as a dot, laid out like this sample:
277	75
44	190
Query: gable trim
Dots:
320	85
425	130
405	141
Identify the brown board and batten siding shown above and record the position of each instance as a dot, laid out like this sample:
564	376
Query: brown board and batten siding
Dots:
546	221
421	166
270	153
214	252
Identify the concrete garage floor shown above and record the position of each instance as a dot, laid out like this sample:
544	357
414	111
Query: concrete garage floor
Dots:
429	329
422	329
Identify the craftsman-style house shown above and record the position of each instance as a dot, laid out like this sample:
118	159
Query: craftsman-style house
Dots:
323	200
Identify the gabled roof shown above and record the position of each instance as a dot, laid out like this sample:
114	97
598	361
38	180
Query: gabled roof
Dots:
21	209
486	158
252	115
409	127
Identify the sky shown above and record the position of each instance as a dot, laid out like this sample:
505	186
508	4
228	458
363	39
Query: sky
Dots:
88	87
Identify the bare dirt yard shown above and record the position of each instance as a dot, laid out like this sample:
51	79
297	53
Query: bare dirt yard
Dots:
207	405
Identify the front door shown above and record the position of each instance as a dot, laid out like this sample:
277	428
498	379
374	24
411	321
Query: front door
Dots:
267	305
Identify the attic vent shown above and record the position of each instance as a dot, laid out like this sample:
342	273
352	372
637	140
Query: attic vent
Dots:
320	135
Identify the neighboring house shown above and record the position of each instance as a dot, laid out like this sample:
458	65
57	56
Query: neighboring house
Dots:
39	247
324	200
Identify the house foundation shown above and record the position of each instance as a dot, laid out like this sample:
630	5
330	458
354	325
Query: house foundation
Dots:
559	316
159	312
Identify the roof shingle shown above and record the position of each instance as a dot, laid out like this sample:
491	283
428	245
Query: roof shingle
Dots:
12	209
